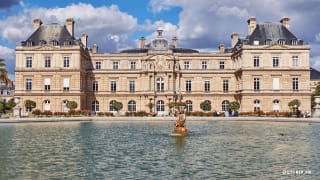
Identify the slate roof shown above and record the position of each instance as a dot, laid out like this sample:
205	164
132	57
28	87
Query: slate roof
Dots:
49	33
314	74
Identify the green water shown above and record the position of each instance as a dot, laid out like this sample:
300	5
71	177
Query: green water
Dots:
144	150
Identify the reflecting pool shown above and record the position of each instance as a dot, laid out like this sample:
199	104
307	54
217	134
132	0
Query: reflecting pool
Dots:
144	150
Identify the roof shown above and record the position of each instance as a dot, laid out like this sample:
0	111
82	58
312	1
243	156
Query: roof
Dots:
50	33
314	74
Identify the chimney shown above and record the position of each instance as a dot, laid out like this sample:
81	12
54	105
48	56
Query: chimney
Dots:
285	22
142	42
252	23
70	26
221	48
234	39
175	42
94	49
36	23
84	39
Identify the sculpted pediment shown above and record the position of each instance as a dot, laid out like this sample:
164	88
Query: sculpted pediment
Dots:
277	46
46	48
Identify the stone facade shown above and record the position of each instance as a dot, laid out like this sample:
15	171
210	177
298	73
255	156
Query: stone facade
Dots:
259	75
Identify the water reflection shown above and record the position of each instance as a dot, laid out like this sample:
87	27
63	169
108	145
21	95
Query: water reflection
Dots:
135	150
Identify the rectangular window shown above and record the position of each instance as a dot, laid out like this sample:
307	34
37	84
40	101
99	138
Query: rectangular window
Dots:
204	65
256	84
131	85
115	65
225	85
47	83
66	61
28	84
188	85
47	62
186	65
133	65
295	84
66	85
95	85
29	62
256	61
207	86
275	61
221	65
113	86
295	60
275	83
98	65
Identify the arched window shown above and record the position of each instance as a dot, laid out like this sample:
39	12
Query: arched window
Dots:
160	106
160	84
132	106
111	107
189	105
256	105
95	106
46	105
276	105
225	105
64	106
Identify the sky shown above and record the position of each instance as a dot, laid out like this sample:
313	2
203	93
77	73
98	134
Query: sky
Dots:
115	25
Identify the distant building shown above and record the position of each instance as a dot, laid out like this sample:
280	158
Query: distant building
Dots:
6	91
263	71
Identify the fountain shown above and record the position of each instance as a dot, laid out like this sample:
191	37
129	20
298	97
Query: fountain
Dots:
316	112
180	128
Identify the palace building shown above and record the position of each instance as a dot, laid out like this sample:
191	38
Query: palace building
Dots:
263	71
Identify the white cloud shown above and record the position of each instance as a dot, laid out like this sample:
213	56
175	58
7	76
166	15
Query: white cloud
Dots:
9	56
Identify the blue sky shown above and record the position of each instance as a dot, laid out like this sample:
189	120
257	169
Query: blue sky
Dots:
115	25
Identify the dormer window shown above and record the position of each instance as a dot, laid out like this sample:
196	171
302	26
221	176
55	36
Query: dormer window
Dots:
256	42
29	43
67	43
281	42
42	42
294	42
268	42
54	43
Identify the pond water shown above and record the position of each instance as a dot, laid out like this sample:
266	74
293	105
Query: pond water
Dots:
144	150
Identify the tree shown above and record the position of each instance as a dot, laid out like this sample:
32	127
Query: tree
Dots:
10	104
150	105
117	106
294	104
29	104
4	72
315	93
205	105
234	105
72	105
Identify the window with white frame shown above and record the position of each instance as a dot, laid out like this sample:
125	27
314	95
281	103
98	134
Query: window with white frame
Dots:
111	106
98	64
132	106
160	106
113	86
95	106
295	84
115	65
46	105
47	62
160	84
131	85
133	65
256	61
221	65
28	62
47	83
28	84
188	85
295	60
95	85
275	61
256	84
186	65
188	105
66	61
276	105
225	85
207	85
204	65
66	84
256	105
225	105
